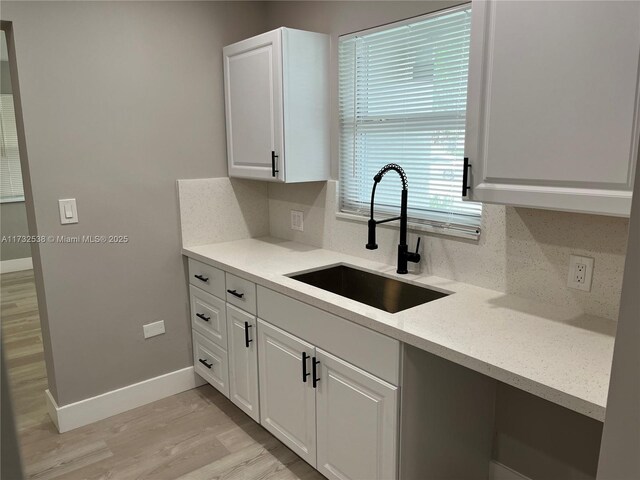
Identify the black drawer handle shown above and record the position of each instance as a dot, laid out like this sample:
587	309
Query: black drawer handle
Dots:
247	340
315	372
236	294
204	362
203	317
305	374
202	278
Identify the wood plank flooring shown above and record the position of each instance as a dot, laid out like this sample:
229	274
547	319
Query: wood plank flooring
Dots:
196	435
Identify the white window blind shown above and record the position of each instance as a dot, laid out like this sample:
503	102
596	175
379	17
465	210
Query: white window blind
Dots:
10	171
402	97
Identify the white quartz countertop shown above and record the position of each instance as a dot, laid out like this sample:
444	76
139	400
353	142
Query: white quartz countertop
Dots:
546	350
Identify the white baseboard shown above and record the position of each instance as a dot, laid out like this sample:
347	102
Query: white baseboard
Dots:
111	403
16	265
498	471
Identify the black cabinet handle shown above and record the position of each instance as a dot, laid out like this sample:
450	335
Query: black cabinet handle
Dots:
305	374
202	278
235	293
203	317
465	176
204	362
247	340
273	163
315	363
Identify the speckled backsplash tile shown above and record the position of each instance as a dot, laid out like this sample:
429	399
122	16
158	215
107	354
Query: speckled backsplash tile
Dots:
521	251
221	209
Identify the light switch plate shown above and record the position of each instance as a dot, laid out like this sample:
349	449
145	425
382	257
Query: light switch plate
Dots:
153	329
68	211
580	273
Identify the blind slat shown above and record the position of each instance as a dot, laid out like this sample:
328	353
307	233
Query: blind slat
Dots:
402	99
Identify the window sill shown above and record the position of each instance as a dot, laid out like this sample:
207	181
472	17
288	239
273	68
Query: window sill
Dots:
413	227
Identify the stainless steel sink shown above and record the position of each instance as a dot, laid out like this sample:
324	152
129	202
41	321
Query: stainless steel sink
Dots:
374	290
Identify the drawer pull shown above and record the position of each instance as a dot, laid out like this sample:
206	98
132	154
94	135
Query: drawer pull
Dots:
247	340
203	317
305	374
202	278
315	372
235	293
204	362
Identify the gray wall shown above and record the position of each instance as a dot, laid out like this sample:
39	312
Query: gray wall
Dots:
542	440
13	221
120	99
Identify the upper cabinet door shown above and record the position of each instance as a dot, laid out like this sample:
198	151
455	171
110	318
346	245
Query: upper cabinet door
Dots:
552	113
277	106
253	102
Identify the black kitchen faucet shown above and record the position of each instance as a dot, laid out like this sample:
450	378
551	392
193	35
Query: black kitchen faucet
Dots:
404	255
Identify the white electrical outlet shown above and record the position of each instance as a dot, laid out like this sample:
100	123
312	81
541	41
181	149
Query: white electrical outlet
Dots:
297	220
153	329
580	273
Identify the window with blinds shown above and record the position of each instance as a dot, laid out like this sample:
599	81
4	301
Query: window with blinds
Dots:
10	171
402	99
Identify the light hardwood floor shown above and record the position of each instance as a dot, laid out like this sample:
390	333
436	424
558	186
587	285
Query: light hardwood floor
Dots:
196	435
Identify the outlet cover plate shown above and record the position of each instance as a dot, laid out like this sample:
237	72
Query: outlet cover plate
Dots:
153	329
297	220
580	273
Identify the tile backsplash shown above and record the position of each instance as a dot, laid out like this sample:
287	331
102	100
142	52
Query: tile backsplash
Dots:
520	251
222	209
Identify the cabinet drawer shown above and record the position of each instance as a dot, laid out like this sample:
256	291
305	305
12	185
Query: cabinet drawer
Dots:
241	293
206	277
208	316
211	363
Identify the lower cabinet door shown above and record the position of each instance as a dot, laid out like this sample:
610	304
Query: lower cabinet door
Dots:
243	361
287	403
210	362
357	422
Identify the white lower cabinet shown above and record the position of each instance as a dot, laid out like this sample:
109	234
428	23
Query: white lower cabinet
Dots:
287	403
339	418
243	361
357	421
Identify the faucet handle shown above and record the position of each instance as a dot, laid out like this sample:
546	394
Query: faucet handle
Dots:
414	257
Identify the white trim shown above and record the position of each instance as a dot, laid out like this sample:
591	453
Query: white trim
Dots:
16	265
498	471
89	410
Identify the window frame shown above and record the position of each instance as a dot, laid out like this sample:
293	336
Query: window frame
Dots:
415	223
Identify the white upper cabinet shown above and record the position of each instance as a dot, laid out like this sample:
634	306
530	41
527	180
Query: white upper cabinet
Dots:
277	106
552	112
